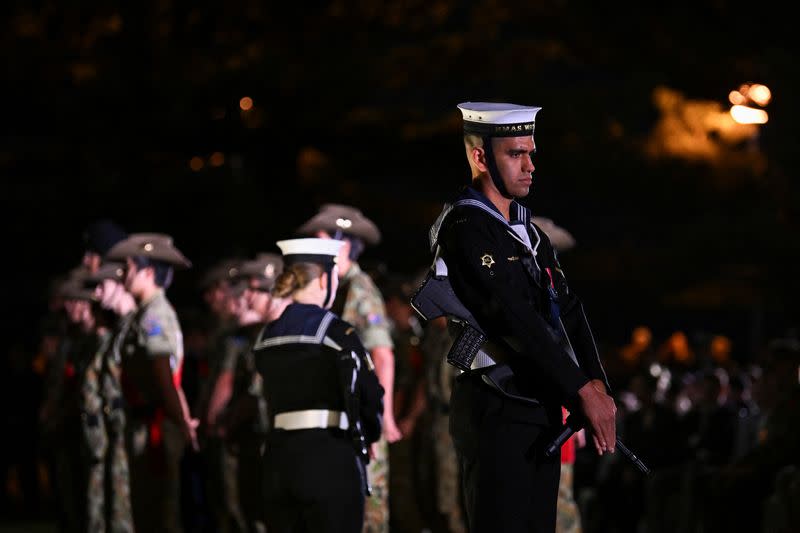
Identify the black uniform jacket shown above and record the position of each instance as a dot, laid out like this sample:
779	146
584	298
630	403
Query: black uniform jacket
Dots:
519	296
296	356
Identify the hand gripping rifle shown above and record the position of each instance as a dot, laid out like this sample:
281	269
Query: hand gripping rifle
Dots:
574	424
435	298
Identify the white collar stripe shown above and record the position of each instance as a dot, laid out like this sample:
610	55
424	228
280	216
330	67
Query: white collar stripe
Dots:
318	338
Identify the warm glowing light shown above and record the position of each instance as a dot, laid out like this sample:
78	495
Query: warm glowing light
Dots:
748	115
246	103
679	345
217	159
737	98
196	163
760	94
641	336
720	348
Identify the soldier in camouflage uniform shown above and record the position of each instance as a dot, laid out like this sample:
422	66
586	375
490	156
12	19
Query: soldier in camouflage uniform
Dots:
359	302
435	344
245	419
215	286
224	295
158	421
410	461
103	416
61	412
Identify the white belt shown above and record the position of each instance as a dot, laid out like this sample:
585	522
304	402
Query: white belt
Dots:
311	419
482	360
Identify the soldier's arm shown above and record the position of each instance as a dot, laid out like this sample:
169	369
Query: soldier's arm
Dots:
190	424
419	403
373	329
174	401
162	343
383	357
223	389
173	406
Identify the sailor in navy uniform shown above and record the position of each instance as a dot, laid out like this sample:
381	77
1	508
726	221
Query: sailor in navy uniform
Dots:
541	353
324	400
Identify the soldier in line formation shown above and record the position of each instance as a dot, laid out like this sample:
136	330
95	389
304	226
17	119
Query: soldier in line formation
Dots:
121	425
115	412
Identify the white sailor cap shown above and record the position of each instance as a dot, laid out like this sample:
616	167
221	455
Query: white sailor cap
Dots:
491	119
310	250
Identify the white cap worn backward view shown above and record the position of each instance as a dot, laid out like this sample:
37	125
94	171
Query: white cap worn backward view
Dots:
310	250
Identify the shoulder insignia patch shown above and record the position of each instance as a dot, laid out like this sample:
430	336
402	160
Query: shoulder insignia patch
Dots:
152	327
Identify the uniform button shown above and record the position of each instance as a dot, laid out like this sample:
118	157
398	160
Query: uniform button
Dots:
106	409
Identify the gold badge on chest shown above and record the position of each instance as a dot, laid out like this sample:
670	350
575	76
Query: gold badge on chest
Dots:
487	260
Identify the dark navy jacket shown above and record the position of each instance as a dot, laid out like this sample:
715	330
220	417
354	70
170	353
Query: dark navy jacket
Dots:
519	295
296	356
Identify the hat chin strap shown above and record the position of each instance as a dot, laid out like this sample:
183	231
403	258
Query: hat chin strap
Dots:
494	172
330	296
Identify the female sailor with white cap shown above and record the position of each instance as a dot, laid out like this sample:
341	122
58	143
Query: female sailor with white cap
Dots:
324	400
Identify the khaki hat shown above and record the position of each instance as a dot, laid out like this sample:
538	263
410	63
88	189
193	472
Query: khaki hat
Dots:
238	287
265	266
338	219
74	287
561	239
225	270
108	270
156	246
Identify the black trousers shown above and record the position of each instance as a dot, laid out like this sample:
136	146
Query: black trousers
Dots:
312	483
508	483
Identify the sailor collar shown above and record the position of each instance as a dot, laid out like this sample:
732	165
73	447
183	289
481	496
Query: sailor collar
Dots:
517	227
518	213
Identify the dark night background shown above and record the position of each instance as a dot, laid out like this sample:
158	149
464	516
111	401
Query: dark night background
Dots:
354	102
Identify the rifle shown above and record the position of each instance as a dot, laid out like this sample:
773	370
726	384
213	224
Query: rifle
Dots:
435	298
574	424
346	367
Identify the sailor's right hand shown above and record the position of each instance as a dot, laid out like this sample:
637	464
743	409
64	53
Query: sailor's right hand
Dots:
600	412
